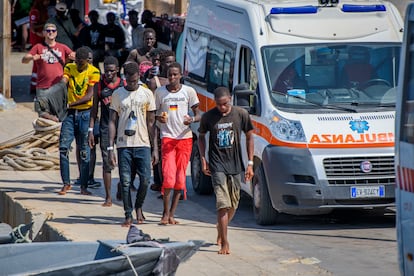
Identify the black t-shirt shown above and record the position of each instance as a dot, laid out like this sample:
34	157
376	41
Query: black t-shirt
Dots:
224	152
105	91
114	36
92	36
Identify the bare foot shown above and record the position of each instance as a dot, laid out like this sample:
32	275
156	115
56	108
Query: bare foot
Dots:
107	203
225	249
164	221
127	222
140	216
171	220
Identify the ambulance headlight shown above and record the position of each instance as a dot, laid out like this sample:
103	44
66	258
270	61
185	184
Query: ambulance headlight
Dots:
286	130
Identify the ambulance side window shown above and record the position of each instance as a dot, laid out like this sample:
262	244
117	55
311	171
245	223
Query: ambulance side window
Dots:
246	90
195	56
220	54
247	68
209	60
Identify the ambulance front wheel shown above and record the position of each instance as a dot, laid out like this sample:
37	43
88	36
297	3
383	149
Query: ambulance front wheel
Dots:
264	213
201	182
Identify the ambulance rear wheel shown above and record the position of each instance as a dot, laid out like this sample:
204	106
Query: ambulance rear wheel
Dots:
264	213
201	182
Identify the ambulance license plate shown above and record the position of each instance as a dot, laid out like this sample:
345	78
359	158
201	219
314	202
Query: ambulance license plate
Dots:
367	191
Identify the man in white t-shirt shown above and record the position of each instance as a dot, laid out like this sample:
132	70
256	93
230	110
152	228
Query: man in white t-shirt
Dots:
173	103
133	108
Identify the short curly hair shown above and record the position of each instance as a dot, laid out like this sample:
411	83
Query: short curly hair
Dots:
83	52
165	54
111	60
131	68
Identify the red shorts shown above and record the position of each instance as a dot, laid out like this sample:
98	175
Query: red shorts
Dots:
175	154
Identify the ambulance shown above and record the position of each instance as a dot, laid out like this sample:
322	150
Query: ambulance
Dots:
319	81
404	150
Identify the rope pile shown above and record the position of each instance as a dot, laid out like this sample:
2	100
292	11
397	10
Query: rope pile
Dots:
33	151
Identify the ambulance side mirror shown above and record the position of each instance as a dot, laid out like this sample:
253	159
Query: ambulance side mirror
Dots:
246	99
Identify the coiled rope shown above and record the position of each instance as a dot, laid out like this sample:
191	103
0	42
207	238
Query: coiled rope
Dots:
33	151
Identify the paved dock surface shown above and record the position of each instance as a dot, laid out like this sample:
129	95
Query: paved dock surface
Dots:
26	195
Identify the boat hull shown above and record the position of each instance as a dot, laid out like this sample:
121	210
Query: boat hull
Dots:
86	258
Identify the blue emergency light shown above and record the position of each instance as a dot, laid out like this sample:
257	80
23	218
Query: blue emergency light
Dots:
363	8
294	10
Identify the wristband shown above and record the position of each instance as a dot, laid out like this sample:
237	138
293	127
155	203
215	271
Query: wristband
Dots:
90	129
110	148
250	163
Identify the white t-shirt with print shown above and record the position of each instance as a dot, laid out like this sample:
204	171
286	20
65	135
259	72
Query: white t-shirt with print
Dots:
140	101
177	105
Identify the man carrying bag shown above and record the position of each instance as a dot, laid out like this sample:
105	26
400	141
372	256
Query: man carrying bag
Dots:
50	57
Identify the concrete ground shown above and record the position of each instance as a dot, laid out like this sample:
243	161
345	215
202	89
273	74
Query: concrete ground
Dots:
32	195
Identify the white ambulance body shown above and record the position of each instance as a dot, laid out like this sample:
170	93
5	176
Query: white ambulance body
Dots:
404	150
319	82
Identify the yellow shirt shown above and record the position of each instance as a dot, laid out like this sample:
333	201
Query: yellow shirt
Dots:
79	82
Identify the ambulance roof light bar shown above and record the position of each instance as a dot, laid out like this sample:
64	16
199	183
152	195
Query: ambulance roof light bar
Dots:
314	9
363	8
294	10
302	9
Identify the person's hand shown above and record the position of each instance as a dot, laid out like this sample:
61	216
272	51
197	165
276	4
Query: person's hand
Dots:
154	157
49	116
72	56
91	139
188	119
248	175
153	71
205	168
112	158
163	118
36	57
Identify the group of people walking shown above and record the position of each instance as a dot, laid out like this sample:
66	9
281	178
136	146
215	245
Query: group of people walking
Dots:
146	104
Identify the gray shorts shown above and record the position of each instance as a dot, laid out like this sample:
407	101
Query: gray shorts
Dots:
227	190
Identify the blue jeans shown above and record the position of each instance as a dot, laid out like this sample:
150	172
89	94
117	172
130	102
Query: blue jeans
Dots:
75	126
140	159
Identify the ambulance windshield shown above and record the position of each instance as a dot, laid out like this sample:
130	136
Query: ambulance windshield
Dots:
325	75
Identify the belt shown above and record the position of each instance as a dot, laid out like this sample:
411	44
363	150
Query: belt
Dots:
76	111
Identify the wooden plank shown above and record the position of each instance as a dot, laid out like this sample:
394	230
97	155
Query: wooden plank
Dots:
5	47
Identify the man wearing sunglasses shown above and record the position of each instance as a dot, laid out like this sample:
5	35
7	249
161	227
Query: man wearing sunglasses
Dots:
50	58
